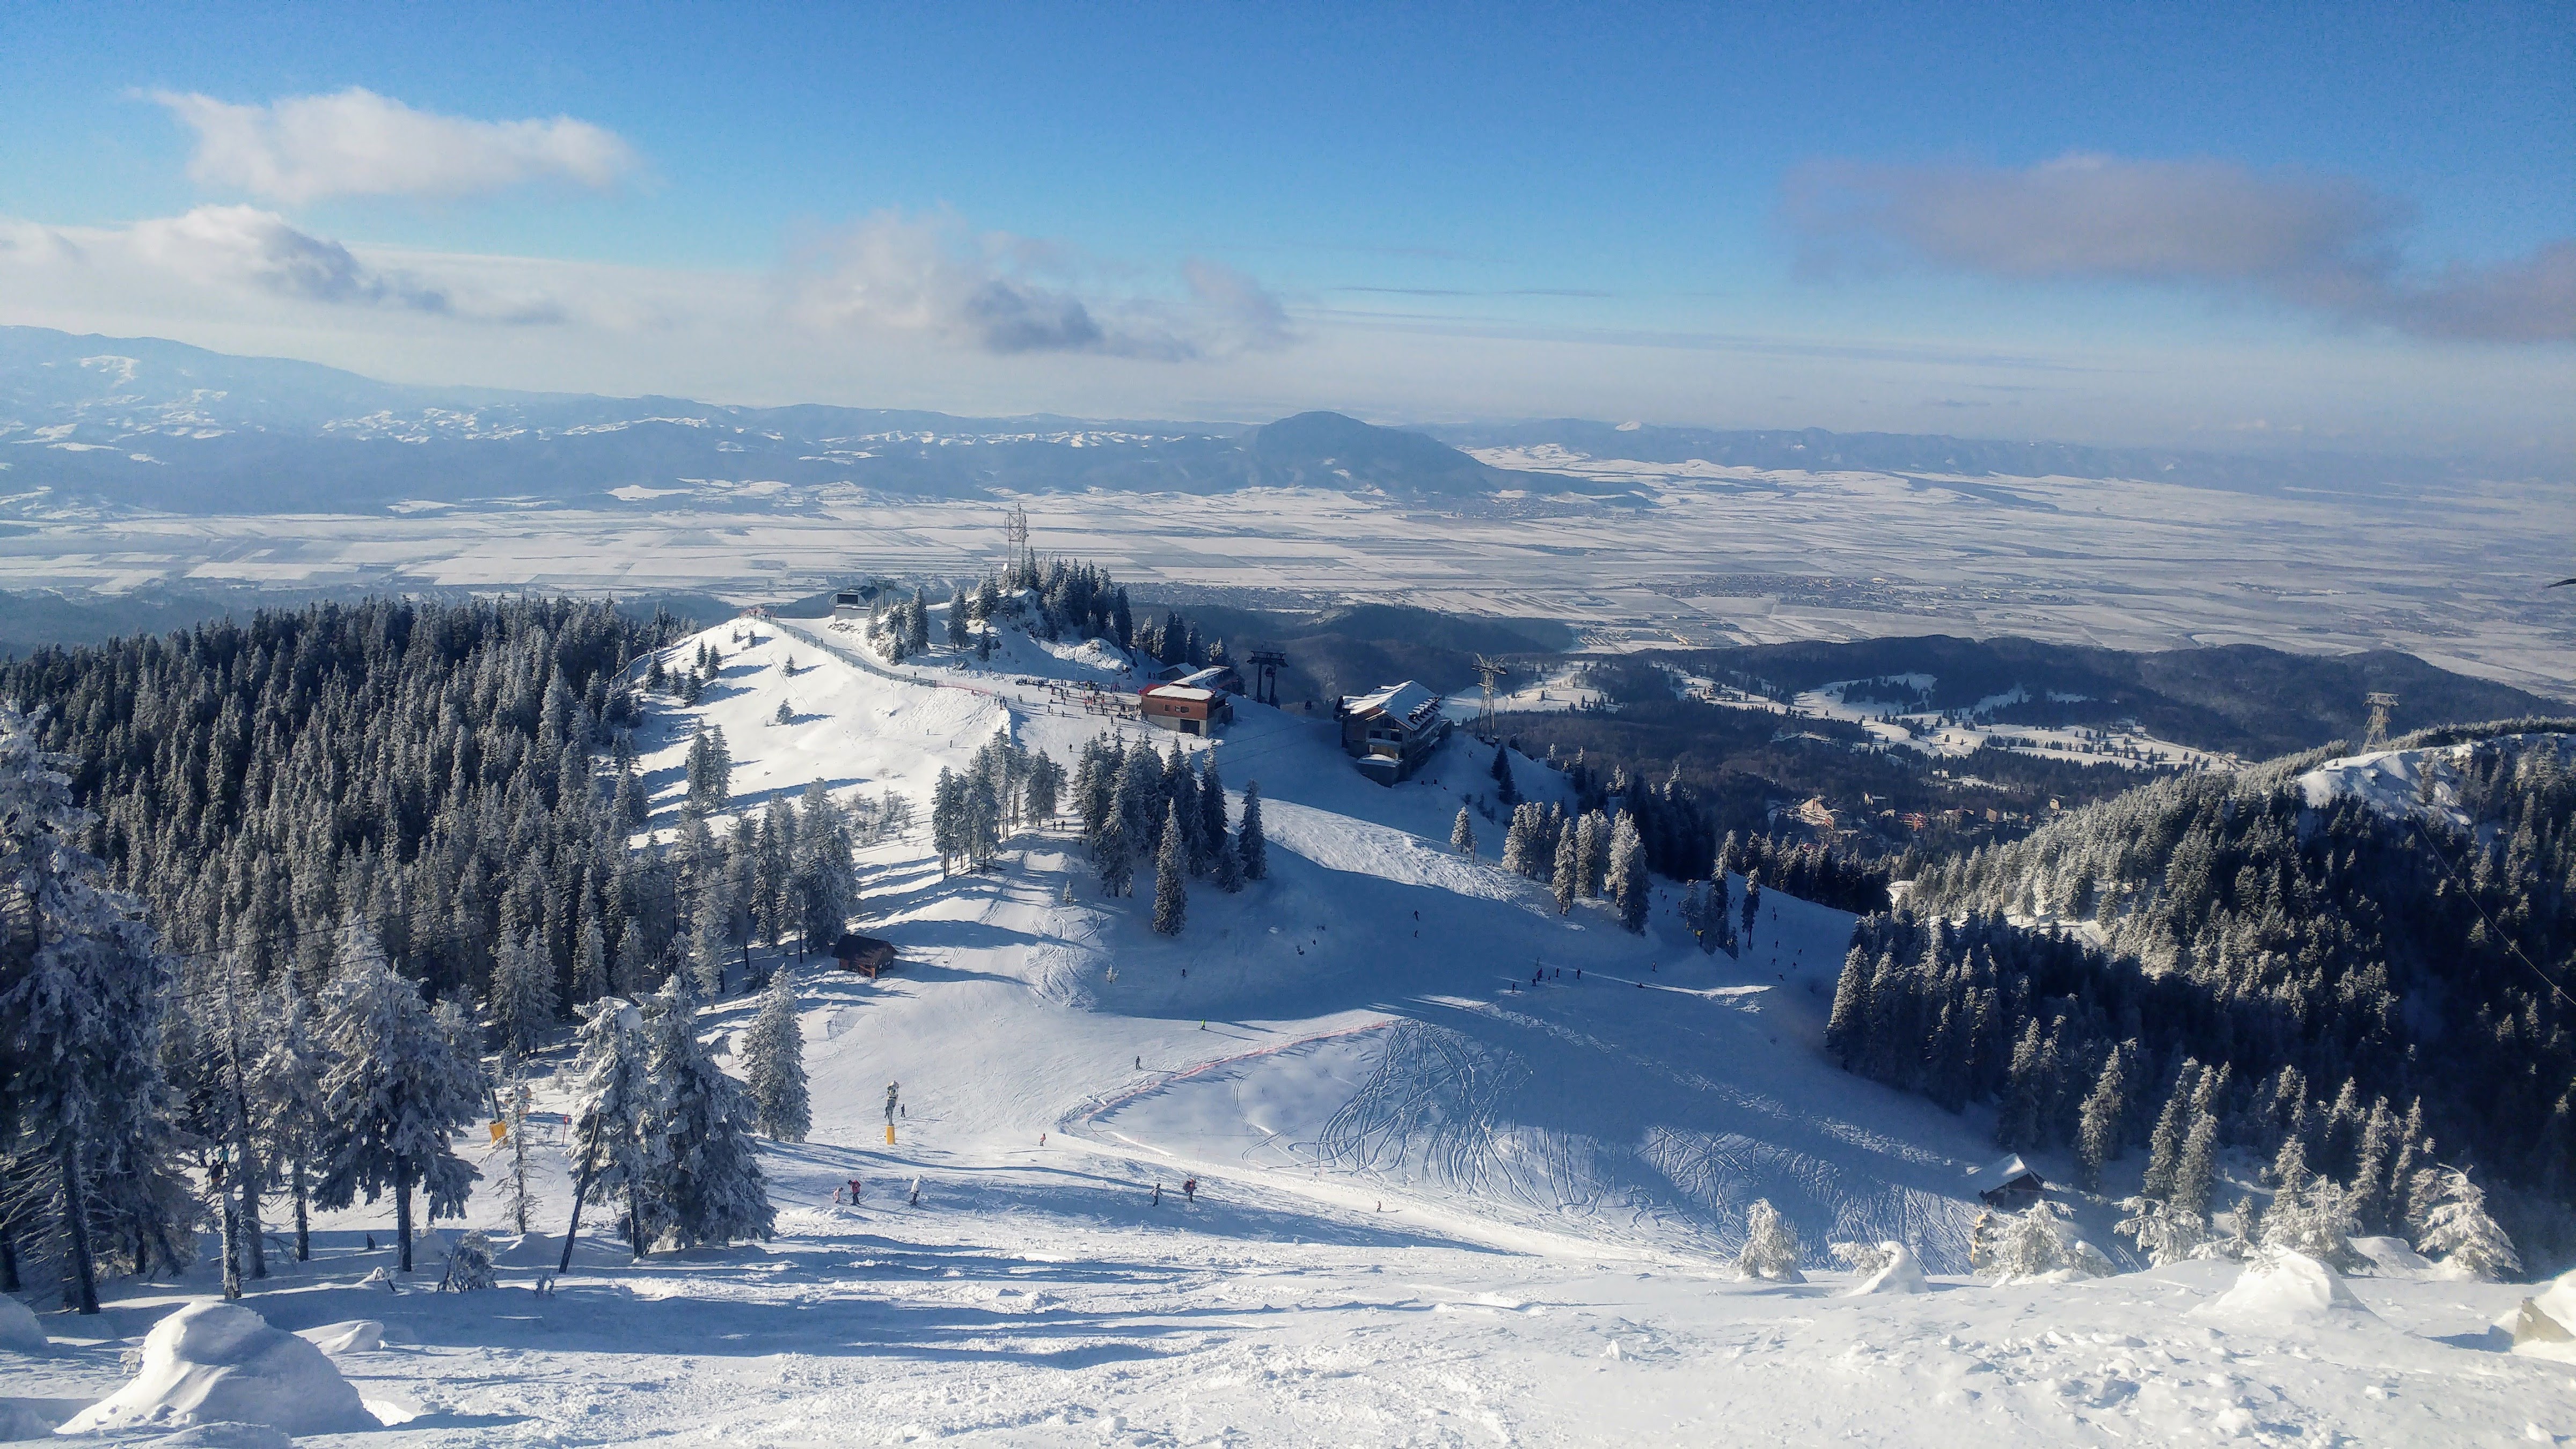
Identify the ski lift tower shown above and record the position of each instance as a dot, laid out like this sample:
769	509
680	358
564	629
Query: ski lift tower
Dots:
1492	671
2381	706
1266	664
1015	537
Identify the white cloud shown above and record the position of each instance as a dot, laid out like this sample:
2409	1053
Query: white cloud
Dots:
1001	294
358	143
2317	242
241	256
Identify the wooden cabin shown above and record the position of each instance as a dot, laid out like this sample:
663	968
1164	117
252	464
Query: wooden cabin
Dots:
864	954
2009	1183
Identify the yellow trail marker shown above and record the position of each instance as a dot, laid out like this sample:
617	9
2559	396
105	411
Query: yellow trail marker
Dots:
889	1134
500	1130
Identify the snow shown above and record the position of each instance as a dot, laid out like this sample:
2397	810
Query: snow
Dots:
214	1363
1438	1203
19	1330
1902	1273
2420	784
2278	1286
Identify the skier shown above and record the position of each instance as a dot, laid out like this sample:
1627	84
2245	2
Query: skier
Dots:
916	1193
1158	1195
1140	1062
1190	1188
893	1090
854	1192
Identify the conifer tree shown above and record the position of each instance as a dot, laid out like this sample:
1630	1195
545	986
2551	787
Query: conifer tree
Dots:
1506	789
1770	1250
1248	841
1210	835
774	1060
2098	1135
2457	1230
395	1090
81	1010
1462	834
2196	1171
590	959
613	1092
957	631
1630	886
710	770
287	1100
705	1174
523	995
1569	870
1114	857
1171	869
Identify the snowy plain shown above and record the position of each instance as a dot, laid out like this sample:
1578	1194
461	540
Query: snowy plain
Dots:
1438	1202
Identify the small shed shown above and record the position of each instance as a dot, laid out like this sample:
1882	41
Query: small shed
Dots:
2009	1183
864	954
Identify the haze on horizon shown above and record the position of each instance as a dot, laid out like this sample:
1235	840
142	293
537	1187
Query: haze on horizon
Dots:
2350	230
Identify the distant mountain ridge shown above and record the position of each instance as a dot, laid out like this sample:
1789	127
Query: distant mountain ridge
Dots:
149	424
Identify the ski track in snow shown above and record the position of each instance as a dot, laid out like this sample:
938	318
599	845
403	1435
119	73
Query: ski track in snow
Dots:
1440	1203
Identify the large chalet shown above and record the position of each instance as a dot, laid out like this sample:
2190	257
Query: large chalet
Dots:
1391	730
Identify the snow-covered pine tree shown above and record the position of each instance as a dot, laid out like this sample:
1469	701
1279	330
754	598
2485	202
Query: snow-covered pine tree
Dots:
710	770
957	630
1211	837
287	1101
826	885
2099	1121
1462	834
396	1088
1248	840
612	1117
1770	1246
774	1061
1114	856
1171	871
518	1191
2165	1233
2173	1125
80	1010
590	959
1506	789
710	933
2196	1173
1721	918
2458	1232
2038	1240
706	1173
1752	903
1630	887
523	995
1844	1025
2314	1218
1592	854
1568	880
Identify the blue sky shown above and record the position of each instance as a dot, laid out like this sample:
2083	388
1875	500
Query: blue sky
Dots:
2268	224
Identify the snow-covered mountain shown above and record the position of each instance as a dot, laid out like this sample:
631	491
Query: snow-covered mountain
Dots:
1434	1200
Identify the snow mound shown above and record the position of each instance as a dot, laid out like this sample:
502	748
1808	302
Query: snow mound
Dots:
21	1421
2544	1325
2283	1287
1902	1273
358	1335
2394	1258
215	1364
19	1329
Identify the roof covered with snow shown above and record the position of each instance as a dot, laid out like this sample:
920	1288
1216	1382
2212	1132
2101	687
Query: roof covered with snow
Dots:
1409	702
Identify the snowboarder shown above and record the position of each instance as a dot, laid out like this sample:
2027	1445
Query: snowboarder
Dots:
1158	1195
1190	1188
1140	1062
916	1193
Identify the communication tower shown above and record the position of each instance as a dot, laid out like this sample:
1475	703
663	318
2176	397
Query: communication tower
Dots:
2381	706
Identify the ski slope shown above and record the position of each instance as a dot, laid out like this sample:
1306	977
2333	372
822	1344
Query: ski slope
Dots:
1438	1202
